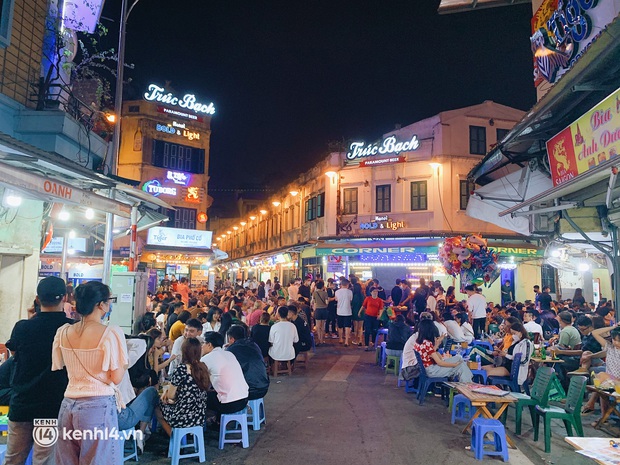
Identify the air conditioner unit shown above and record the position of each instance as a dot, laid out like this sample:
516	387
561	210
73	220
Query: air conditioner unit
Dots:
542	223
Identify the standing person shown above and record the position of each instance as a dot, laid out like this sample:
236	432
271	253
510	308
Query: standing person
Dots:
183	289
293	291
507	296
261	292
331	310
544	299
371	307
304	290
397	293
356	306
477	306
420	295
536	296
31	341
578	298
450	299
319	297
344	296
96	359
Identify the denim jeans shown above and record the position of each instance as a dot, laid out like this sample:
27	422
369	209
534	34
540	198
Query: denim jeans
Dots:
462	371
371	324
88	414
139	409
20	442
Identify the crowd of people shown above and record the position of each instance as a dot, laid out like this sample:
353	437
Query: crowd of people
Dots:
196	354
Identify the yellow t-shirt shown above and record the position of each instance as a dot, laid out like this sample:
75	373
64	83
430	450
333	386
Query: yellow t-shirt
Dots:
176	330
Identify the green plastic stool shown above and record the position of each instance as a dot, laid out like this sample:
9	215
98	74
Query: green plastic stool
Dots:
395	366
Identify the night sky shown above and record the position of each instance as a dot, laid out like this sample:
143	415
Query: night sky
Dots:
287	78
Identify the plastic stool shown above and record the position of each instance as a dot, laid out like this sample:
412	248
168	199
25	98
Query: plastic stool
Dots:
394	366
241	417
461	408
134	451
383	354
482	426
176	444
313	343
481	373
381	332
2	452
256	413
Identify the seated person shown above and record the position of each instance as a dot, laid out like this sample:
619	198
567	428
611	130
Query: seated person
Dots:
579	360
193	328
230	391
408	355
184	403
282	337
303	330
529	317
434	364
260	333
468	331
251	359
454	329
520	345
178	326
611	353
399	333
569	338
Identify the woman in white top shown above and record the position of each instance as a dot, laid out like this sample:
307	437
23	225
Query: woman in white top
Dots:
468	331
213	320
96	359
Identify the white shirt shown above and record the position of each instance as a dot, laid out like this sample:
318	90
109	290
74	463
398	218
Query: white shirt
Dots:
135	349
454	330
343	299
207	327
431	303
408	355
226	375
477	305
442	329
533	327
293	293
282	336
468	331
176	350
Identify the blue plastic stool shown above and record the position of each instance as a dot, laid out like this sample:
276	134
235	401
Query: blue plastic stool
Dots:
482	374
134	451
256	413
482	426
381	332
313	344
479	343
241	418
2	452
383	354
461	408
380	354
176	444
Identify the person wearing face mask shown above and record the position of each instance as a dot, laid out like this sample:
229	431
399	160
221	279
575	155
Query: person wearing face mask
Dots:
521	344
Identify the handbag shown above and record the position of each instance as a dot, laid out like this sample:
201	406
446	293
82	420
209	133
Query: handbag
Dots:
120	405
410	372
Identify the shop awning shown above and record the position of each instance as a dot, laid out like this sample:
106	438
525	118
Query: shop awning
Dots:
488	201
459	6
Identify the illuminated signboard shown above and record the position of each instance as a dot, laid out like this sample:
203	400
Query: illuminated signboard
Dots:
383	161
591	140
388	146
155	188
179	177
177	129
562	32
158	94
383	222
182	238
193	195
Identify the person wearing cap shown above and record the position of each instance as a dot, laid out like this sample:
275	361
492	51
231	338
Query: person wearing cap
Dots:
37	390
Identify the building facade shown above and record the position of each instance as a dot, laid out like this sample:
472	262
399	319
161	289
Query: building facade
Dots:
381	209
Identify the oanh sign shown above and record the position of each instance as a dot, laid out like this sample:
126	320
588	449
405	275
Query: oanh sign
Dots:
591	140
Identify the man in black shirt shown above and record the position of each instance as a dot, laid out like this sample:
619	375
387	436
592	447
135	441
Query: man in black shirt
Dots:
250	358
37	390
303	331
544	299
304	290
397	293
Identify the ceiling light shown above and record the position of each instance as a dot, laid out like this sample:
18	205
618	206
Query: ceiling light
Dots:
89	213
252	217
71	251
584	266
331	174
435	166
235	227
275	203
116	231
262	212
294	193
72	234
11	199
242	223
64	215
229	232
555	253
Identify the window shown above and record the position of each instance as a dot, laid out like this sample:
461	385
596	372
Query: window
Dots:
465	189
547	273
6	18
134	108
320	205
501	133
477	140
419	196
350	201
178	157
184	218
384	203
311	209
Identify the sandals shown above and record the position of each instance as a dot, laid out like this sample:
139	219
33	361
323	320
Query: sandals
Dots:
586	410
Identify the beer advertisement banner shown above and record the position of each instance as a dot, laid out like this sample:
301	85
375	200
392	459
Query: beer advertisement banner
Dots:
591	140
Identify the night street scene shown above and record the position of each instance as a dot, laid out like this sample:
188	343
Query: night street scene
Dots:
296	233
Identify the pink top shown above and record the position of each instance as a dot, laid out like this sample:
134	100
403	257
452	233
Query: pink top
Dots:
87	369
254	318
